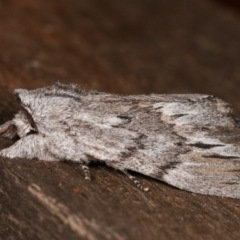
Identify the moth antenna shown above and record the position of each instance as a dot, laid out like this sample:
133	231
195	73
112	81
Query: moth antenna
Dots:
136	182
86	172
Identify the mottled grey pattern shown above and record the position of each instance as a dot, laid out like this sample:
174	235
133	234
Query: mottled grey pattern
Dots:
188	141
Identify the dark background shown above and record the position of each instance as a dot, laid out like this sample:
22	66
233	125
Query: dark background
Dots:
130	47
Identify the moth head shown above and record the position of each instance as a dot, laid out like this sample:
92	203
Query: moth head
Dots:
19	127
22	124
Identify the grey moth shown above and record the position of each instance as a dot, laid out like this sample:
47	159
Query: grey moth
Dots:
189	141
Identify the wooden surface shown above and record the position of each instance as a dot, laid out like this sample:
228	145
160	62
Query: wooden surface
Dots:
233	5
131	47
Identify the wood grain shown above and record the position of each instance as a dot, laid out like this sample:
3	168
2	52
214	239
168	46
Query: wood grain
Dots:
130	47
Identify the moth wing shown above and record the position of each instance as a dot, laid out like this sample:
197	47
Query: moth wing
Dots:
214	175
195	146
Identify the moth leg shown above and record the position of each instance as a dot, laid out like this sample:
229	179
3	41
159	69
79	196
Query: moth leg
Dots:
32	146
135	181
86	172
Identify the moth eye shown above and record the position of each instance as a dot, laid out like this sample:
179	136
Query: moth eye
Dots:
16	138
17	97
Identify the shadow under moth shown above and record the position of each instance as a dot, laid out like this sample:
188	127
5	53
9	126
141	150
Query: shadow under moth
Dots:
190	141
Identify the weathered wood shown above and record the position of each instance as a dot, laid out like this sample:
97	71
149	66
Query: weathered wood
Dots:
119	47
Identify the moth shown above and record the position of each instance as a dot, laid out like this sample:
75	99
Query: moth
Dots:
189	141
